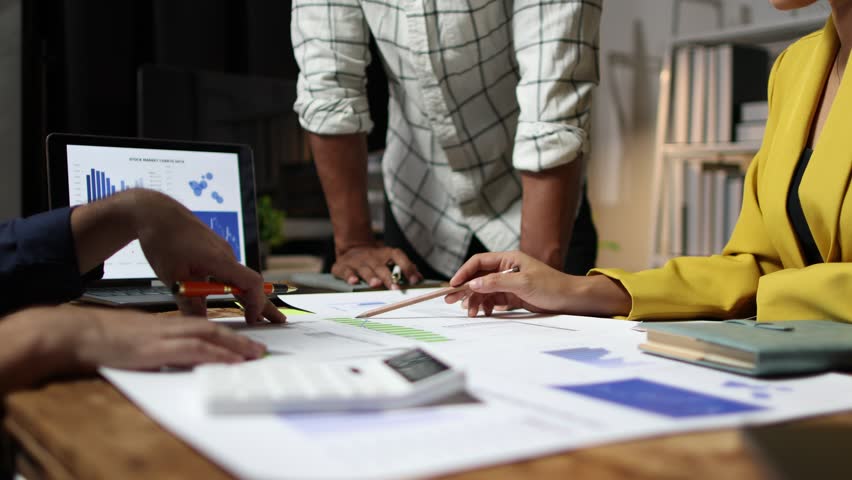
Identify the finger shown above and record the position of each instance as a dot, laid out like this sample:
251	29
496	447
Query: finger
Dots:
409	269
271	313
344	272
473	303
367	274
456	296
185	352
488	305
481	262
220	336
379	264
516	283
244	278
192	306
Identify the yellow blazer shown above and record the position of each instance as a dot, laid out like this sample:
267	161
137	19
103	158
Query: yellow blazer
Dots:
762	270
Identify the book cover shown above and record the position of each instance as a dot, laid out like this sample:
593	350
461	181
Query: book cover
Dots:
755	348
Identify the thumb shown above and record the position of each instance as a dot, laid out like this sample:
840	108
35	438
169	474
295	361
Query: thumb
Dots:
500	282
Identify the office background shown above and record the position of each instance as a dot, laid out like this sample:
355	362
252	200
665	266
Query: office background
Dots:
173	38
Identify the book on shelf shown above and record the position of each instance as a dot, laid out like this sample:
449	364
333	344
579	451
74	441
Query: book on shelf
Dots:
698	95
754	111
733	202
681	87
751	131
714	88
706	204
743	74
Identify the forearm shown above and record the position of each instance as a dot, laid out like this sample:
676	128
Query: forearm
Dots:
102	228
549	205
342	167
600	296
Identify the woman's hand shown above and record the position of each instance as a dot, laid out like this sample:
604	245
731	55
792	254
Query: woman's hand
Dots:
538	287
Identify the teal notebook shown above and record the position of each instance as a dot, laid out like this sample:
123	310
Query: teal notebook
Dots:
755	348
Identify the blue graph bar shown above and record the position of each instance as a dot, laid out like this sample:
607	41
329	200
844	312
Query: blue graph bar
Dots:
99	185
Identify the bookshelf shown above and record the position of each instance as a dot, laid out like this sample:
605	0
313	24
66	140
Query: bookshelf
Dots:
673	160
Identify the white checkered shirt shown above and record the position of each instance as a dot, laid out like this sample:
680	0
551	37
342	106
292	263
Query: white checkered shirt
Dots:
479	89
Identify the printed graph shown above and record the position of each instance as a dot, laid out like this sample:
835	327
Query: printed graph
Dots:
666	400
398	330
226	225
596	357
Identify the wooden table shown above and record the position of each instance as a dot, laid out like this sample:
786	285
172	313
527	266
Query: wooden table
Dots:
85	428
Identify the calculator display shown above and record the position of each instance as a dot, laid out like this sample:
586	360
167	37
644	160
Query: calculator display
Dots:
416	365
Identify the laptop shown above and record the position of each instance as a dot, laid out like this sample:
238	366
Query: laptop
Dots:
214	181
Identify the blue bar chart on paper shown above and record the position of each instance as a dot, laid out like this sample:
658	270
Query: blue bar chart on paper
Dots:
226	225
99	185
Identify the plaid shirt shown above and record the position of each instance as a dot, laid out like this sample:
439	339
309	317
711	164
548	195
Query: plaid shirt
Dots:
478	90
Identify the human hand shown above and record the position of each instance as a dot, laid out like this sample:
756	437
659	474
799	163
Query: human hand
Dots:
66	339
538	287
370	263
180	247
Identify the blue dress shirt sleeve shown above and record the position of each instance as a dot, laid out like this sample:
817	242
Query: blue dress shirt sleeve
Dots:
38	263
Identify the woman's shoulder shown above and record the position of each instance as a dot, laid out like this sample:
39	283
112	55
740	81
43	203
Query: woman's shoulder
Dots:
807	43
803	48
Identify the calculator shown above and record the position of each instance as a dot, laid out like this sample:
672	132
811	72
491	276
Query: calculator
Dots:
286	384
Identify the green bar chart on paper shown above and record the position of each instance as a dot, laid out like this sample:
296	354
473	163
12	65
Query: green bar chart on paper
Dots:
390	329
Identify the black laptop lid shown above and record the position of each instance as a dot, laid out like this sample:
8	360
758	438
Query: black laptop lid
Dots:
214	181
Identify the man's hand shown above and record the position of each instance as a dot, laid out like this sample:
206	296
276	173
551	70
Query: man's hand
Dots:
370	263
176	243
68	339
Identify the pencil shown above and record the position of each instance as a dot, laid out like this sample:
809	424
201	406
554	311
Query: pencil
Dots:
422	298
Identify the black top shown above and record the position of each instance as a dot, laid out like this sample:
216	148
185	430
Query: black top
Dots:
797	216
38	263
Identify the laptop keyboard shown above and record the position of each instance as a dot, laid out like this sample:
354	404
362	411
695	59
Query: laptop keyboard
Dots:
125	291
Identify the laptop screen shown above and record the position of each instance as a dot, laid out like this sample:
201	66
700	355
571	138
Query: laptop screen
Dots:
207	183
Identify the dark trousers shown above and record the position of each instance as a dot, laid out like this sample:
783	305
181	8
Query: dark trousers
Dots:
581	256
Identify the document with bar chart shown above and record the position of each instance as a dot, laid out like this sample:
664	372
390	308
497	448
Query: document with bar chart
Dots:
208	183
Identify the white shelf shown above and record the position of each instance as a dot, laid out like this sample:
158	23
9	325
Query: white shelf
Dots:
683	150
764	33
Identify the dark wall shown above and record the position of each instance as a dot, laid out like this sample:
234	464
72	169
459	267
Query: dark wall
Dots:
81	60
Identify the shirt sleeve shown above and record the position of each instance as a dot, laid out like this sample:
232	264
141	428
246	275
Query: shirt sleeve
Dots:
556	47
331	46
38	263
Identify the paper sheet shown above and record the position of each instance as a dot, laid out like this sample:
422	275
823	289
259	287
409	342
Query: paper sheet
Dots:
541	385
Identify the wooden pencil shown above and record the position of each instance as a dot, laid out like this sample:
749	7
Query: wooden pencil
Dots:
421	298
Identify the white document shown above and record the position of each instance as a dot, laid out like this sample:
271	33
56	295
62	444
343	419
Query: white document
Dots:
536	386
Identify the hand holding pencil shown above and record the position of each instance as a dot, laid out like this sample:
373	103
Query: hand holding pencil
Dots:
539	287
422	298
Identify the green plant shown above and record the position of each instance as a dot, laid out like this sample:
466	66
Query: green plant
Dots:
270	222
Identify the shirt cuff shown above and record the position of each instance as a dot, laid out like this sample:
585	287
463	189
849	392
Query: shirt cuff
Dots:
47	264
334	115
542	145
